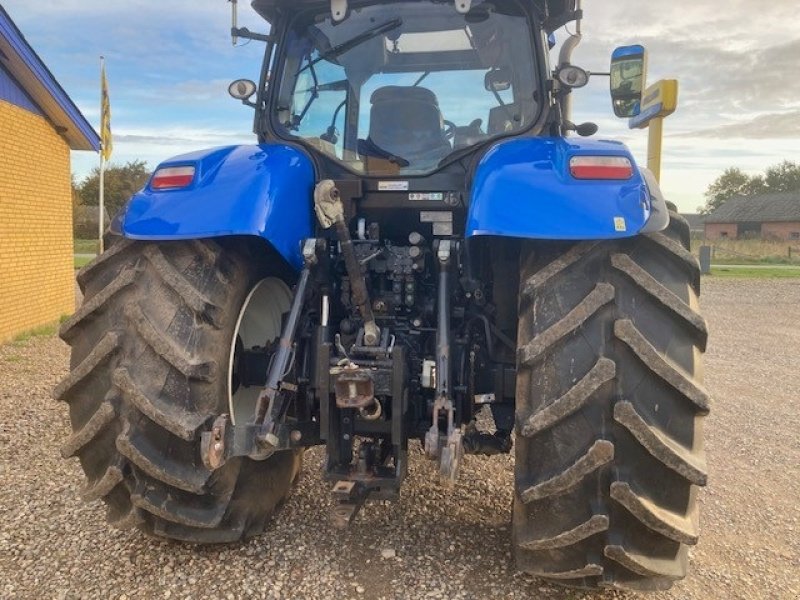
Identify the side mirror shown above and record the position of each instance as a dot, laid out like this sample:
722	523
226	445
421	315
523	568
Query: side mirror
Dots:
498	80
242	89
628	77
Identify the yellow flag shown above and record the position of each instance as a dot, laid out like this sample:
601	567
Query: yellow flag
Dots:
105	118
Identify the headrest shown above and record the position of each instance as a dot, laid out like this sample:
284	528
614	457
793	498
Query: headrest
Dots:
404	93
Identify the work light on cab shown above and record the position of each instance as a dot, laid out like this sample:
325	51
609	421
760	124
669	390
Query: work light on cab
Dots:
172	178
600	167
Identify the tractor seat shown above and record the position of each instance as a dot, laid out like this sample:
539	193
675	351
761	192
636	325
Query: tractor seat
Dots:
405	125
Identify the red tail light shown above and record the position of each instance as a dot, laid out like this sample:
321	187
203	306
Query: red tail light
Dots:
171	178
600	167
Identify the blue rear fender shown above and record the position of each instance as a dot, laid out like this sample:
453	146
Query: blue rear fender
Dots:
523	188
263	191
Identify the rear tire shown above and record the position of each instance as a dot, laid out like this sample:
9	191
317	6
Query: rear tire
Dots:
149	372
610	407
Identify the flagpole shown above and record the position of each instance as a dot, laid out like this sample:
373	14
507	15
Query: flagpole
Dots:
101	220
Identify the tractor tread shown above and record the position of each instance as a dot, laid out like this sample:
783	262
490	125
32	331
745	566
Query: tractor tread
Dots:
645	565
184	477
679	528
610	342
596	524
161	504
660	446
209	250
179	422
164	347
99	420
534	350
573	400
657	290
636	583
590	570
86	273
96	302
685	258
133	518
601	453
195	535
563	262
212	256
193	298
103	486
148	345
627	332
104	349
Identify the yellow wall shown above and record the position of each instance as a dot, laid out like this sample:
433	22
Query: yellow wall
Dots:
36	262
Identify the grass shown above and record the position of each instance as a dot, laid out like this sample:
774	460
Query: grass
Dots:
13	358
82	261
85	246
753	272
750	252
43	331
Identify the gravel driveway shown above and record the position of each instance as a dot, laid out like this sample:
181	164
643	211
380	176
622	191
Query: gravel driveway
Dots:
436	542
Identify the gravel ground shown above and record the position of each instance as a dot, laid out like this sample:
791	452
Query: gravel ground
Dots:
436	542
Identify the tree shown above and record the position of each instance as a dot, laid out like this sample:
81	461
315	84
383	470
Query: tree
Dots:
733	182
784	177
76	192
121	182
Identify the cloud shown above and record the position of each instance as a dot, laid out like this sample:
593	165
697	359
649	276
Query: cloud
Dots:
766	127
182	137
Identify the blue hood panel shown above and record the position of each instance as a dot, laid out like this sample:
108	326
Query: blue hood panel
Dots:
523	189
261	190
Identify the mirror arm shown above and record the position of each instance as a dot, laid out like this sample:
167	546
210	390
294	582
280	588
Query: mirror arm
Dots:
244	32
565	58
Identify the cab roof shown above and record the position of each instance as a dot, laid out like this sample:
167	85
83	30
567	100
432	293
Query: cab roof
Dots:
554	13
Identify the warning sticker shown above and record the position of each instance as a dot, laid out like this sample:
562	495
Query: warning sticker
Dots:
620	224
442	229
429	216
436	196
392	186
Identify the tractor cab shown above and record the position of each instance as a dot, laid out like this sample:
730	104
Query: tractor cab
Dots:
404	89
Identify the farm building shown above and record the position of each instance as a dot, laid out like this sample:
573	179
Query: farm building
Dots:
39	125
770	216
696	223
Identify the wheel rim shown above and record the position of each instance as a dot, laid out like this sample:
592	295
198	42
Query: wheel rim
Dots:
259	323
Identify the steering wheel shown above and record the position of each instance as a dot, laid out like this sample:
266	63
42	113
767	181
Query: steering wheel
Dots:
449	130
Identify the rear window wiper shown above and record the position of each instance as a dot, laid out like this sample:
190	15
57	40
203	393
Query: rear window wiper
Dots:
353	42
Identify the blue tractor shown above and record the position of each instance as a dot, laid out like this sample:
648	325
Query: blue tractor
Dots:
419	248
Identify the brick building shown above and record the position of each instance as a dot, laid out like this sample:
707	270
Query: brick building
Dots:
697	223
770	216
39	125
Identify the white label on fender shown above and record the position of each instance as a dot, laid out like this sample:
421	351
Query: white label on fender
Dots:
619	224
428	216
392	186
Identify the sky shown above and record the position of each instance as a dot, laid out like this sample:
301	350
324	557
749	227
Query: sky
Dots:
169	64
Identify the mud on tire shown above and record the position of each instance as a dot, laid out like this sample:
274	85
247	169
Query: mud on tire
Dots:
610	407
150	348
